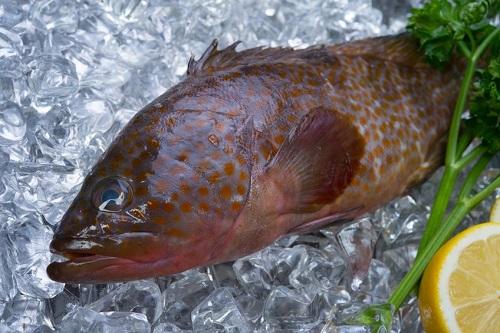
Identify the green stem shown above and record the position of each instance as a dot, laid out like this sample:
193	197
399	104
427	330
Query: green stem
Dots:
413	276
446	229
473	175
465	160
451	148
465	50
484	44
464	141
439	206
476	199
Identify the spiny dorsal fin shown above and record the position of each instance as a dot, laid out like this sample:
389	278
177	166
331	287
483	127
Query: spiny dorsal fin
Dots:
214	60
402	49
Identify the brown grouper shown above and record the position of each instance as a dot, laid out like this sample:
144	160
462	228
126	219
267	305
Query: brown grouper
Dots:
253	145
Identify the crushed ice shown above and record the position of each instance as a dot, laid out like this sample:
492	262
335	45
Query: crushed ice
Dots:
72	73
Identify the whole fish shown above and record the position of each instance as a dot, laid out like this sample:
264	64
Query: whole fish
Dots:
253	145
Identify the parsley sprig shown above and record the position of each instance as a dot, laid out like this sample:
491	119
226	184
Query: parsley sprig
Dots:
448	30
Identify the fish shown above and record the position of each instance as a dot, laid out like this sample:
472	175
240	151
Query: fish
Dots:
252	145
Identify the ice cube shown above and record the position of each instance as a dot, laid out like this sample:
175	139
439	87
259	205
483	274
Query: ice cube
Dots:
258	272
51	78
183	295
7	284
251	306
287	310
223	275
85	320
138	296
357	240
345	329
31	240
410	318
55	14
12	124
375	287
318	270
6	89
24	314
400	259
11	12
168	328
219	312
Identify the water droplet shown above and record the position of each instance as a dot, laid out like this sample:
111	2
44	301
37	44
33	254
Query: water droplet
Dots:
213	139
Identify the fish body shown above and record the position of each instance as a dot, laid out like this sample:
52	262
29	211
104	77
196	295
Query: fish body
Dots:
253	145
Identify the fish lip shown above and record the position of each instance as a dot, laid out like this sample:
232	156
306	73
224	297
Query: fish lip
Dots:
91	260
75	247
90	269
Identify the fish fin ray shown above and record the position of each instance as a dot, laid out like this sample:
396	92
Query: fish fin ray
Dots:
318	160
317	224
214	60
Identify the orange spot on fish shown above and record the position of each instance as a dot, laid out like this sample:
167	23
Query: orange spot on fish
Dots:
176	233
168	207
185	188
158	220
241	189
236	206
203	206
241	159
229	168
203	191
225	192
279	139
175	196
186	207
213	178
243	175
182	157
154	144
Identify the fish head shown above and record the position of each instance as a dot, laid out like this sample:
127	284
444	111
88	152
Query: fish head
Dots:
158	202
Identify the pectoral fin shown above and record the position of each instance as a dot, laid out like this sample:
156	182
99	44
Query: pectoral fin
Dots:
317	161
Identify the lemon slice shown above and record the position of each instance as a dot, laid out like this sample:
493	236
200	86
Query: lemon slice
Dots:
460	289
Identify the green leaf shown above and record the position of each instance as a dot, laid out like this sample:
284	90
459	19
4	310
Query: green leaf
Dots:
484	119
441	24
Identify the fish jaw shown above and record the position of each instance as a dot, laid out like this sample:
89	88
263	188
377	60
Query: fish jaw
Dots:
101	260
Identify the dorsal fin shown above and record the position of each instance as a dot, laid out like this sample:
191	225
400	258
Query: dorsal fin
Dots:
214	60
402	49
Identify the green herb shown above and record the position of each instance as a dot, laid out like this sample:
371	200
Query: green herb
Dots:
445	28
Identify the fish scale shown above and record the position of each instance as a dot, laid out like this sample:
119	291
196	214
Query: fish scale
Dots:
253	145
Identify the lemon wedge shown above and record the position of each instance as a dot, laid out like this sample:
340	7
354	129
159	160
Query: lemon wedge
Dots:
460	289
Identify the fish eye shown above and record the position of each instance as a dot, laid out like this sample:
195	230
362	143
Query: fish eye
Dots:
112	194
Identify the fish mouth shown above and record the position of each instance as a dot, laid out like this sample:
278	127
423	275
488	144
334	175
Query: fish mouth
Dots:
99	260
